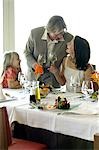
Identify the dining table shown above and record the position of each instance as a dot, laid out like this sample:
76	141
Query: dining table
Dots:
78	123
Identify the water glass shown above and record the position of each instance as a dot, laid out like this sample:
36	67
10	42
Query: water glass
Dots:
74	83
87	88
41	59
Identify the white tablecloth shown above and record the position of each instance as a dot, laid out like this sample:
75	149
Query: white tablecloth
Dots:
81	121
35	117
17	97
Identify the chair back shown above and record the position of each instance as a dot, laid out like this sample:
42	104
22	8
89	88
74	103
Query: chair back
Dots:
96	141
5	131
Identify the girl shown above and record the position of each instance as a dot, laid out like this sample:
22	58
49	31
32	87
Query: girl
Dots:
11	68
75	65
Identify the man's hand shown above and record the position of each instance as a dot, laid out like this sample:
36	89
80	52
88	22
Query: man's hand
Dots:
38	69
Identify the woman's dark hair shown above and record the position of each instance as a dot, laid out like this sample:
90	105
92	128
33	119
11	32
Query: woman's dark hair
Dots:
82	52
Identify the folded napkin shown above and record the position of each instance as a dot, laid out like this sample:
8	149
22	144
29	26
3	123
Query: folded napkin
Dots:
86	108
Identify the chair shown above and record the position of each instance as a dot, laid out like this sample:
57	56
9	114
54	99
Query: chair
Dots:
96	141
9	143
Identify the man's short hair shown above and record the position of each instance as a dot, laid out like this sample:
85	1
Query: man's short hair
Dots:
56	24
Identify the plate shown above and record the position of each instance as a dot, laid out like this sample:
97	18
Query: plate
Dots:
82	109
50	107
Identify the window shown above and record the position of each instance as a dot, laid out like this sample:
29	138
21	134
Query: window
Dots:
1	27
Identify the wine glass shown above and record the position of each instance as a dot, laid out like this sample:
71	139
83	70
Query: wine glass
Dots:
52	58
27	86
74	83
41	59
24	82
87	88
21	79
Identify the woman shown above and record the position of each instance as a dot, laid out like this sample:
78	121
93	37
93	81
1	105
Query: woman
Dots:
75	67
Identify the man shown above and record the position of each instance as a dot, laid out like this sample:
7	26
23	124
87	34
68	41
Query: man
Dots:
51	42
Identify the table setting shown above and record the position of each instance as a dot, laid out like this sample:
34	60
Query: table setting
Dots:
82	111
78	103
81	116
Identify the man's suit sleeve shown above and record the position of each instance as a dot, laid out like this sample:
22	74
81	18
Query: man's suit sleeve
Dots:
29	50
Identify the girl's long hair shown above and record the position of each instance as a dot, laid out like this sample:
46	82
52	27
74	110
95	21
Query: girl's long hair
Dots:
8	60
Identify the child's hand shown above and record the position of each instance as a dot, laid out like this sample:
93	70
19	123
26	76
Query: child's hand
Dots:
14	84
